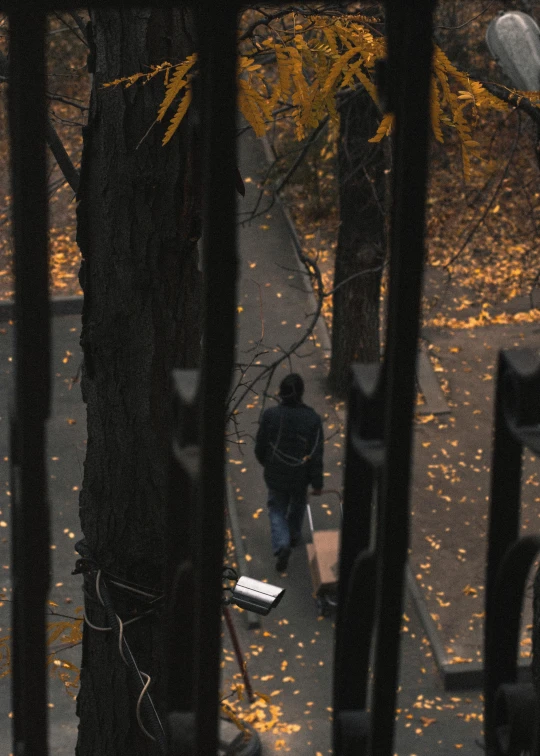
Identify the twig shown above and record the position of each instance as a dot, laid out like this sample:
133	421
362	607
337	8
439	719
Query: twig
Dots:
80	23
454	28
482	217
293	270
53	140
66	121
66	101
257	284
72	29
355	275
266	21
71	174
241	365
255	213
512	98
292	170
52	613
64	647
268	371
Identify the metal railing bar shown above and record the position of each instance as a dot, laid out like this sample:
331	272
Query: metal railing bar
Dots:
217	42
508	556
30	533
357	585
179	573
409	30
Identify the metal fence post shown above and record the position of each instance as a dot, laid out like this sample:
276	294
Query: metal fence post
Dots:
364	720
511	708
30	531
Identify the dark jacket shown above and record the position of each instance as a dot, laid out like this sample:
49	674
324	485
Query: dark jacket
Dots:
289	445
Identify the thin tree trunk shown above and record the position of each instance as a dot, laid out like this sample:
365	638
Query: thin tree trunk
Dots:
361	241
137	230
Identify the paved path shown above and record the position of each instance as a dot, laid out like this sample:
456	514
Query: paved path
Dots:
65	455
270	282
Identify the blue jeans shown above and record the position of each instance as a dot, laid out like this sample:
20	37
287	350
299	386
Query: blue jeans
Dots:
286	512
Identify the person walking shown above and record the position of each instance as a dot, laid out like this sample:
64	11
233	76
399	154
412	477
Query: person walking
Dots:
289	445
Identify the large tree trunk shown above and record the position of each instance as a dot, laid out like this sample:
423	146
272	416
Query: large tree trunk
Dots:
137	230
361	241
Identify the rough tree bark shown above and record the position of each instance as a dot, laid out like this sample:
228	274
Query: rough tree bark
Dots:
137	230
361	240
535	665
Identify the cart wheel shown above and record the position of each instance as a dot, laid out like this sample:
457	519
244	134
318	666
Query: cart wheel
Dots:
233	742
323	607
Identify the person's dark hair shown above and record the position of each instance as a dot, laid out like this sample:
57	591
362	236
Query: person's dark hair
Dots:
291	389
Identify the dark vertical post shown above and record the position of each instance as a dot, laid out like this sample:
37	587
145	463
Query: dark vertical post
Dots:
356	595
30	533
183	494
503	532
363	429
409	29
217	32
238	653
504	514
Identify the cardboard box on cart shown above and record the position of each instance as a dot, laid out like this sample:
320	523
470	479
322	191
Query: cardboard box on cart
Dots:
323	555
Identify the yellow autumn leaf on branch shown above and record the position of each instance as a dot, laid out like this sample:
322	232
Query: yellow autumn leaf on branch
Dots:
178	116
175	85
314	57
385	128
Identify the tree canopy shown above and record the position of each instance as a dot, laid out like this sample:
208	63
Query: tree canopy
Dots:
298	66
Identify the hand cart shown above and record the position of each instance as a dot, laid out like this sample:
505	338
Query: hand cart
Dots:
323	558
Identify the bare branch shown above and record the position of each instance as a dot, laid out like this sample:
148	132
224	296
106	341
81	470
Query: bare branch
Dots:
355	275
482	217
65	164
81	35
53	140
268	371
454	28
292	170
265	21
73	103
80	23
66	121
303	150
505	94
